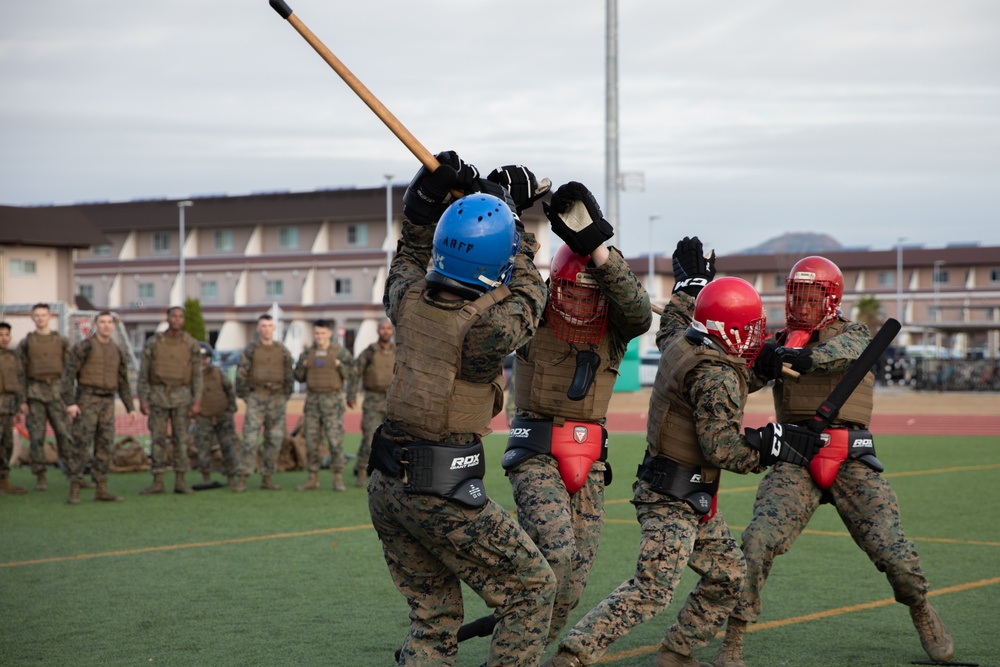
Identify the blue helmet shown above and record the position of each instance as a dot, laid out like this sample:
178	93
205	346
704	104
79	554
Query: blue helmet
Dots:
474	244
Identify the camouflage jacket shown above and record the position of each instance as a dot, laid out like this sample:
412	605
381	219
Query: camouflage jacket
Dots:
77	357
713	390
343	356
42	391
161	395
629	312
501	330
245	365
10	403
361	365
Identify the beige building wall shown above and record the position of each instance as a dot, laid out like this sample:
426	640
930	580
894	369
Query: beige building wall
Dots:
33	274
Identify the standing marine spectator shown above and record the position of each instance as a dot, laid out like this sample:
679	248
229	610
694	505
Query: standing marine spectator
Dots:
325	367
264	380
480	300
214	422
373	370
170	388
11	400
43	353
846	474
96	370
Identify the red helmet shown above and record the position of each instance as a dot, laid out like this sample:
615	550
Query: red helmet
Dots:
812	293
577	308
730	311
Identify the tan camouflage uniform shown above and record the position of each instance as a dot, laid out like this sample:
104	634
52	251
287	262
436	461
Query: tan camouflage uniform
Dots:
219	428
11	397
567	528
373	407
45	403
170	404
265	409
431	544
96	421
673	536
324	411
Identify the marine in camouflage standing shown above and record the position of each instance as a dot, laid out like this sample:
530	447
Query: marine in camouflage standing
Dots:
97	368
12	383
43	353
557	447
326	368
693	432
264	380
821	344
373	371
170	388
481	300
214	422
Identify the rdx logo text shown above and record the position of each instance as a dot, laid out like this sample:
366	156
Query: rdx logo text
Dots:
465	462
520	432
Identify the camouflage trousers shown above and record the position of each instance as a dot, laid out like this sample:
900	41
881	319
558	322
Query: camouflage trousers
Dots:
55	413
206	431
787	499
324	418
431	545
566	528
373	411
177	440
265	411
6	443
672	538
95	425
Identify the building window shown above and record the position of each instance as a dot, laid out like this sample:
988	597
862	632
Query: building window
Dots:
779	282
146	291
161	242
23	267
224	239
941	276
995	276
357	235
274	289
209	290
886	278
87	291
288	238
342	286
102	250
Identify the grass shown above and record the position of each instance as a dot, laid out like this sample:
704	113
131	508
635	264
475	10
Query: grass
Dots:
293	578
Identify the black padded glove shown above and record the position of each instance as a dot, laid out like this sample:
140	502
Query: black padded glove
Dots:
768	363
784	442
522	185
800	358
429	193
692	270
577	219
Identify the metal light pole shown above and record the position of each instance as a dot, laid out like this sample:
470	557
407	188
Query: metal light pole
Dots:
899	279
651	281
611	177
181	205
388	225
937	310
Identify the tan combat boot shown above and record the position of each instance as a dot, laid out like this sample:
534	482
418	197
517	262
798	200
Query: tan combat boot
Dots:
155	487
180	486
667	658
230	480
338	482
562	660
362	479
269	484
310	484
74	493
8	489
241	484
102	494
41	484
934	637
730	654
206	478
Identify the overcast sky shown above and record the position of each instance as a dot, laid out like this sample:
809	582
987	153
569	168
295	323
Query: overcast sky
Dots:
869	120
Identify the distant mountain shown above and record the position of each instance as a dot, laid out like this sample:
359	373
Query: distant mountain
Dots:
795	243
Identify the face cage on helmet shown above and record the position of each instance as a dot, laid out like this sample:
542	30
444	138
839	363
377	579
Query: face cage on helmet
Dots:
797	315
577	313
750	347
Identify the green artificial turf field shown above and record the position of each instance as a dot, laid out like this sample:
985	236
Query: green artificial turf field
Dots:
288	578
